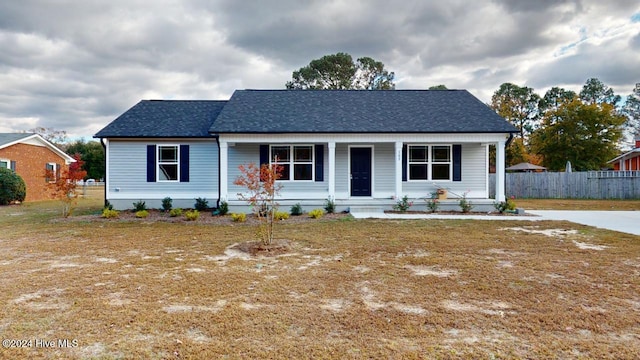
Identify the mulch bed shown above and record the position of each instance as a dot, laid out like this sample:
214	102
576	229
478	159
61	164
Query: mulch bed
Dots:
277	247
205	218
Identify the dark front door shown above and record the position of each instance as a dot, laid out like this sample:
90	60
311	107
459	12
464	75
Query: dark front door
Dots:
360	171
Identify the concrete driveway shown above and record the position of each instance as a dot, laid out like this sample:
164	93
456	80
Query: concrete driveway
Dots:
623	221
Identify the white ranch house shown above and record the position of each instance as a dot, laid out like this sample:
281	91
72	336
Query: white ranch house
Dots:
358	148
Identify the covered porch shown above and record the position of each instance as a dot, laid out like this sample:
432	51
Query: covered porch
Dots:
370	171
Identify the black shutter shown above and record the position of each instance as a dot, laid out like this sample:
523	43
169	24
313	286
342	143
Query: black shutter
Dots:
13	165
184	163
264	154
457	162
404	162
58	172
151	163
320	162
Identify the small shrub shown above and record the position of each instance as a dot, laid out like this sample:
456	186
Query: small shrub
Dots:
108	205
330	206
281	215
167	204
12	187
192	215
296	210
223	209
175	212
316	213
503	206
139	206
433	204
201	204
403	204
464	203
142	214
239	217
109	213
346	219
262	189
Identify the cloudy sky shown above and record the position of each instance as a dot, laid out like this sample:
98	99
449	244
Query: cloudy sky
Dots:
76	65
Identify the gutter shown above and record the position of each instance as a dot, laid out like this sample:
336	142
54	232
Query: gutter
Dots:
104	147
217	137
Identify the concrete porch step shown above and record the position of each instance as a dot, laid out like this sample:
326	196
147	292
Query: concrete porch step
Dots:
367	209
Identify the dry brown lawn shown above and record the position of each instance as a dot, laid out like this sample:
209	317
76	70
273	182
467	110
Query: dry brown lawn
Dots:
345	289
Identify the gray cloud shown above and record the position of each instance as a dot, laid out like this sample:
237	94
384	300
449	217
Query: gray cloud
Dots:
76	66
634	43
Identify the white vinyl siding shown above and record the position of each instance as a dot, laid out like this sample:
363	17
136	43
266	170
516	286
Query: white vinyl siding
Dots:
128	172
342	171
384	163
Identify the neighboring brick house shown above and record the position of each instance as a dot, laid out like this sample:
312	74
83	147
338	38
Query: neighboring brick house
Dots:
629	160
30	155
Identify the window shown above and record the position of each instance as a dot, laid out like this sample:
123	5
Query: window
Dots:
168	163
441	163
296	161
418	162
427	162
52	172
4	163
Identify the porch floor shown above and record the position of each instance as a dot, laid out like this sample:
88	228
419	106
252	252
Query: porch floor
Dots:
434	216
369	205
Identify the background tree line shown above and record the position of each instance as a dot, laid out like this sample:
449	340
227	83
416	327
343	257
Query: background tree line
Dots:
586	128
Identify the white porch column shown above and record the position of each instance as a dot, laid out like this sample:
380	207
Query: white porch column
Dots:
500	159
332	169
398	177
487	162
224	163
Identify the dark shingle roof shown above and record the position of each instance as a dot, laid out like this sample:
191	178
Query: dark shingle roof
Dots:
165	118
6	138
357	111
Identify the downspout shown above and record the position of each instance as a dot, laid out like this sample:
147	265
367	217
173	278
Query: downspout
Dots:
506	145
217	137
104	146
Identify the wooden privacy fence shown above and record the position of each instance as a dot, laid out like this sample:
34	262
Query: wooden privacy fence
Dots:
573	185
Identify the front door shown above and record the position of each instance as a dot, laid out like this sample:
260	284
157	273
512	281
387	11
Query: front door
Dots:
360	171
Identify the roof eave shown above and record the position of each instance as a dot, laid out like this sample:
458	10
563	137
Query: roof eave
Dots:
623	156
96	136
365	132
47	144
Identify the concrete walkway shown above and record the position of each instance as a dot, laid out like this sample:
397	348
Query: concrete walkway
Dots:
623	221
